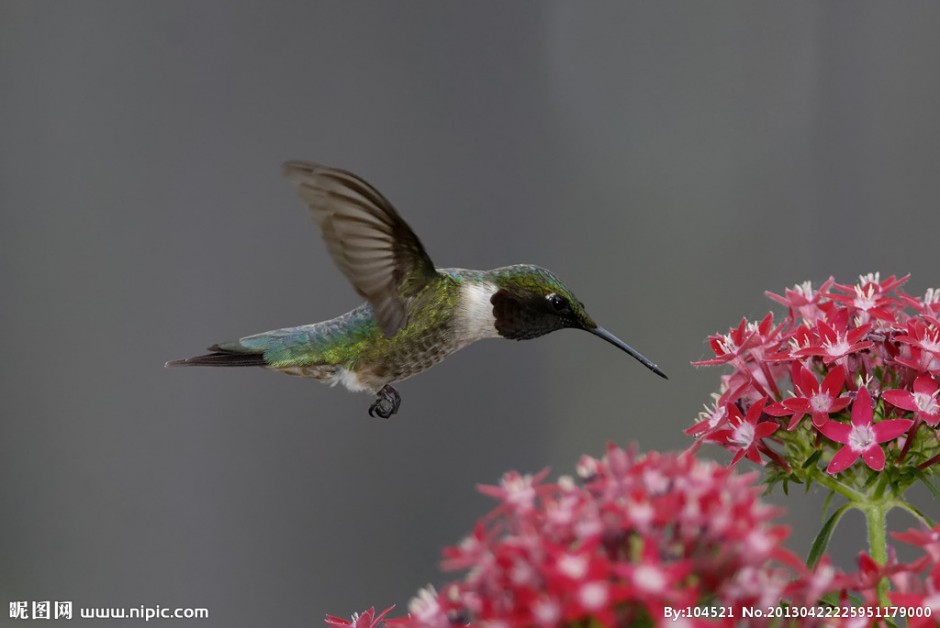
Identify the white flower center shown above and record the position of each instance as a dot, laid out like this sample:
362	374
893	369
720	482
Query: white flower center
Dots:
839	347
573	566
718	416
649	578
804	289
932	602
926	404
759	543
864	299
861	438
546	612
522	573
519	491
821	402
593	595
931	340
743	435
656	482
424	606
641	513
727	344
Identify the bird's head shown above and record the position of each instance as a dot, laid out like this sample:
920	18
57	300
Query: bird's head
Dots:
531	301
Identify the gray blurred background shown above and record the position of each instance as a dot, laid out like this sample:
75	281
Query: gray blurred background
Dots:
670	161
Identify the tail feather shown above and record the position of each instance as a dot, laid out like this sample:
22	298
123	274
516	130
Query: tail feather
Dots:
221	357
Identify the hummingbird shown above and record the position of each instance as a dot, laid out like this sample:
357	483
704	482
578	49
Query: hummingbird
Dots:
415	314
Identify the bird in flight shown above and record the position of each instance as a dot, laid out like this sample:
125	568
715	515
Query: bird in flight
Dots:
415	314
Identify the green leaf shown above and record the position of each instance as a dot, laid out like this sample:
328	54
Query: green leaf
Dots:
813	459
825	533
826	503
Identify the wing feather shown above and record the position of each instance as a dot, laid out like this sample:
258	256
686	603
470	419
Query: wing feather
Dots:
366	238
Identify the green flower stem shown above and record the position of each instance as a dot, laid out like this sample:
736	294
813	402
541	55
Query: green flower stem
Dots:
875	515
875	505
880	486
829	482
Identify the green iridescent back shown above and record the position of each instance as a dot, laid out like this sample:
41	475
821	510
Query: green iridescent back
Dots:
355	341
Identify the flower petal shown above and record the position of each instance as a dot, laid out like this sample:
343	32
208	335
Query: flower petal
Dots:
754	412
900	399
839	404
835	431
765	429
796	404
809	386
820	418
834	381
778	409
843	459
861	409
794	421
874	458
924	384
890	429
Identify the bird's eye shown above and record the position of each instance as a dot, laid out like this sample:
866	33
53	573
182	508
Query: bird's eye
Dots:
558	303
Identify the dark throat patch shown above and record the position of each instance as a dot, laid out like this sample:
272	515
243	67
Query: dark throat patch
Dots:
521	318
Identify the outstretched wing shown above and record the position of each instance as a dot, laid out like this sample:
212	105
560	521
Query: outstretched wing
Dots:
367	239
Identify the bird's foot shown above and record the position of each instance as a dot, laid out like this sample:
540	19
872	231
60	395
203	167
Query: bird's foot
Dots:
387	403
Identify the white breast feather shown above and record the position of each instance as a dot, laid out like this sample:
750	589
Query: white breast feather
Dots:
475	311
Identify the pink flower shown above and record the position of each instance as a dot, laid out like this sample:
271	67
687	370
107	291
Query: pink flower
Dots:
929	304
863	438
745	433
515	490
919	360
658	584
836	340
869	297
873	282
922	402
923	335
803	301
811	398
662	530
367	619
709	420
728	347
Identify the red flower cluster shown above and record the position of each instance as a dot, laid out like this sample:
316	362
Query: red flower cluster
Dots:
838	348
638	534
643	533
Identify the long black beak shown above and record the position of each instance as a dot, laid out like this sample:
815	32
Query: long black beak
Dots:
617	342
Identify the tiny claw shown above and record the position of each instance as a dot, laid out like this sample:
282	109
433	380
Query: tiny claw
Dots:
386	404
